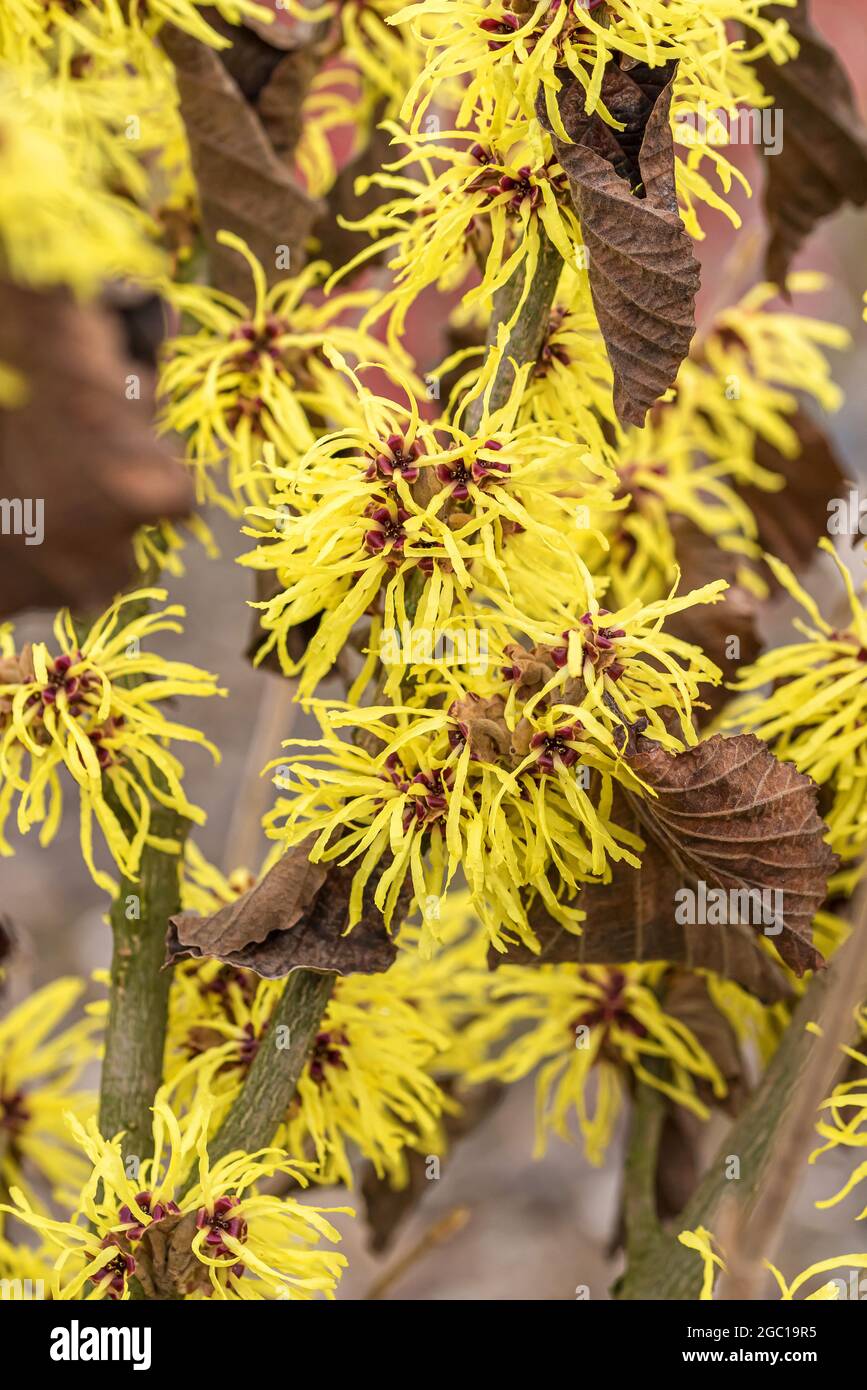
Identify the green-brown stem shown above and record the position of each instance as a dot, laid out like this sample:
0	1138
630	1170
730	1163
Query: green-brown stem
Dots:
270	1084
643	1230
132	1069
664	1269
528	332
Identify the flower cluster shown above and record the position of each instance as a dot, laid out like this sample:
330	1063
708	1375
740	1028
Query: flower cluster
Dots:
257	375
813	715
89	711
568	1023
41	1066
184	1227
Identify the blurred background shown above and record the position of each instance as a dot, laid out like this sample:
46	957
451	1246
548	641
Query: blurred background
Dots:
527	1229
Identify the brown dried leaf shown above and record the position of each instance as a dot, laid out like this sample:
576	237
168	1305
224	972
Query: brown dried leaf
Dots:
280	102
643	273
294	918
632	919
83	447
731	814
273	65
728	813
244	185
823	161
791	522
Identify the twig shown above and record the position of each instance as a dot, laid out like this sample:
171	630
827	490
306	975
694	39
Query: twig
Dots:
441	1231
756	1228
132	1065
270	1085
528	334
524	345
643	1231
135	1038
773	1131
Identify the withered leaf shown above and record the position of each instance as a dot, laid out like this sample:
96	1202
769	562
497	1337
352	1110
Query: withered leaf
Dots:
791	522
643	273
387	1207
273	65
293	918
82	441
727	812
632	918
823	161
244	185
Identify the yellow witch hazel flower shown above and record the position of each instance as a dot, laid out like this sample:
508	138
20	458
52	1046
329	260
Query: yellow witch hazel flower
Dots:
844	1126
570	387
41	1064
160	548
230	1241
25	1274
814	713
411	523
508	54
386	58
489	205
497	783
50	180
753	368
253	376
367	1086
702	1242
336	101
91	710
506	50
368	1082
30	30
698	449
587	1030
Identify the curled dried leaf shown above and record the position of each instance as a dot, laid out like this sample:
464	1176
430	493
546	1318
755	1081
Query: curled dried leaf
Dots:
822	164
643	272
244	185
81	446
294	918
730	814
632	919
